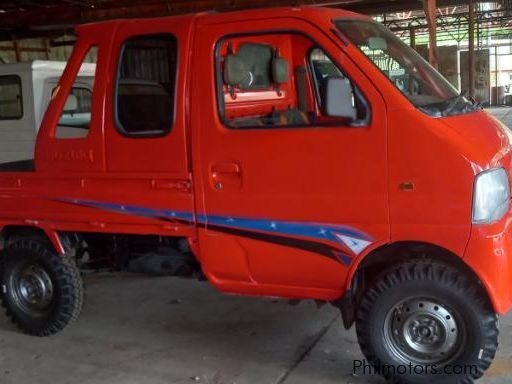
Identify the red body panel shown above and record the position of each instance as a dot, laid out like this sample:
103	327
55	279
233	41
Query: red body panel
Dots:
245	199
319	178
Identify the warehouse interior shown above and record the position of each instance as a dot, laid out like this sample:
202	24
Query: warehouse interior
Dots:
471	39
160	330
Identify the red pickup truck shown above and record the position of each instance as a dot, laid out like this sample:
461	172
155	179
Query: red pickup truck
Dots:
304	153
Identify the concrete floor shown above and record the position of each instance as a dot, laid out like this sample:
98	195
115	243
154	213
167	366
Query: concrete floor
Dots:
502	113
136	330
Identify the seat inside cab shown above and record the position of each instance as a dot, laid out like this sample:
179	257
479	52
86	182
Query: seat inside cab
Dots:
276	80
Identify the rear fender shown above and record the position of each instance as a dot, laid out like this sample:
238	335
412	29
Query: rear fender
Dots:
34	232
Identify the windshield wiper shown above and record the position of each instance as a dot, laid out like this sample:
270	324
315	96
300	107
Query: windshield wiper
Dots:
476	104
470	104
454	102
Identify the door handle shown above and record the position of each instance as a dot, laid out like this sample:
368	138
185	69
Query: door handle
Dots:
227	173
225	168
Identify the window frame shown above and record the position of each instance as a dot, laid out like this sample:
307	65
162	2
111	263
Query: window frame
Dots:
20	84
117	123
76	79
219	84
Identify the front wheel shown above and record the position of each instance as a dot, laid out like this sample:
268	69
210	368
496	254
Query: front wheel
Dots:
425	322
42	291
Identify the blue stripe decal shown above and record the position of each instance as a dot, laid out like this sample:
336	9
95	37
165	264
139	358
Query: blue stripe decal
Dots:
326	232
133	210
349	238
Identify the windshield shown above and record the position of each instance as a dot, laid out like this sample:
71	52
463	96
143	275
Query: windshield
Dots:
425	88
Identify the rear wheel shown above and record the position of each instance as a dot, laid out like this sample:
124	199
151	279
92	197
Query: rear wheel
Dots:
42	291
425	322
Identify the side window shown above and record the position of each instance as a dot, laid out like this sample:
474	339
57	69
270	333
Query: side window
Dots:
76	117
322	69
145	86
75	120
283	80
11	103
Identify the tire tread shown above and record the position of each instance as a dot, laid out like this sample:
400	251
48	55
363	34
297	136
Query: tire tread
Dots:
437	273
69	281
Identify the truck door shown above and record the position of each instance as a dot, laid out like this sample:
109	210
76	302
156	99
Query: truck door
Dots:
145	127
291	196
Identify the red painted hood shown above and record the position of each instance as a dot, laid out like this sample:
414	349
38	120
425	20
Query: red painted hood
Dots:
483	139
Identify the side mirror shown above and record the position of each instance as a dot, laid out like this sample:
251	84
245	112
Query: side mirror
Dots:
339	99
71	103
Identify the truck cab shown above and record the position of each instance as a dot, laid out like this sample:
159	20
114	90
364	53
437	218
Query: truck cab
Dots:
304	153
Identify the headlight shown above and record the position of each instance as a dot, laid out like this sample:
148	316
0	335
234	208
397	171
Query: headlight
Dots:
491	197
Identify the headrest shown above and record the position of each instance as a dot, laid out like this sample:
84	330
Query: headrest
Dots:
235	71
254	67
280	70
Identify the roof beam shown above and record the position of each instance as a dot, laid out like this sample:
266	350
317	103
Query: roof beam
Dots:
48	20
375	7
75	14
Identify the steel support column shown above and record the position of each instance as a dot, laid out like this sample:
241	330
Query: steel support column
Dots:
17	50
431	14
471	47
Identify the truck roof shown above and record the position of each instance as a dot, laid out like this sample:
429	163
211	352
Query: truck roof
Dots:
312	13
305	11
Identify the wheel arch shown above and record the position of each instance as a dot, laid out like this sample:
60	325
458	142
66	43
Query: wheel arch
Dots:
10	233
382	258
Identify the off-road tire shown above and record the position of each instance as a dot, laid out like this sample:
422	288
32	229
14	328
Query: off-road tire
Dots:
443	284
64	302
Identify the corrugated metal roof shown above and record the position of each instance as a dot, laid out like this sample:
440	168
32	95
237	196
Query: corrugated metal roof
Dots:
30	18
